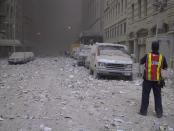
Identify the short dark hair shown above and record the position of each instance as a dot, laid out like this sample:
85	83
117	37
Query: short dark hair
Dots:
155	45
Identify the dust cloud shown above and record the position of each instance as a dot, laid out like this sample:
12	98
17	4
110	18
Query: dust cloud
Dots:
58	23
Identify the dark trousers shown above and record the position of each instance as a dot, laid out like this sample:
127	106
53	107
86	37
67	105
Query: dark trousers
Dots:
147	86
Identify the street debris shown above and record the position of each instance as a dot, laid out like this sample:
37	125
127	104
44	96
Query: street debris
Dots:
65	97
162	127
44	128
1	119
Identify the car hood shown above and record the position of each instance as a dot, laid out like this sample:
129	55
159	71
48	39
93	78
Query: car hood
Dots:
114	59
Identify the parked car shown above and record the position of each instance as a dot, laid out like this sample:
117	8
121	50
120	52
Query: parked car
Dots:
84	52
110	59
75	52
20	57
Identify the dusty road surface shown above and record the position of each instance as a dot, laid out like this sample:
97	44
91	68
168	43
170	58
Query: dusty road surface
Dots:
53	94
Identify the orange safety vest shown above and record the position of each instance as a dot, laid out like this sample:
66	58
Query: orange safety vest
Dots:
153	67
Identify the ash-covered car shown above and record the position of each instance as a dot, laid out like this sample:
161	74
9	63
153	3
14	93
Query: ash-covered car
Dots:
75	53
83	54
110	59
20	57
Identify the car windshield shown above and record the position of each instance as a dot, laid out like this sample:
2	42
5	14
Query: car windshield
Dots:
111	50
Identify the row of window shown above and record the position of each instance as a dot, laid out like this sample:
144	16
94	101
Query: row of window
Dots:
141	3
115	9
143	7
93	8
115	31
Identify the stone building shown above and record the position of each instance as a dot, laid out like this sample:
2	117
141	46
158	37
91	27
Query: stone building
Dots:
136	23
115	21
150	20
15	25
93	16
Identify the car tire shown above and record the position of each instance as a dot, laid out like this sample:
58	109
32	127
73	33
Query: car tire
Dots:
130	78
96	75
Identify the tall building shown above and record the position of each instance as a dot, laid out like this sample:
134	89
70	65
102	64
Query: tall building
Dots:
93	16
15	25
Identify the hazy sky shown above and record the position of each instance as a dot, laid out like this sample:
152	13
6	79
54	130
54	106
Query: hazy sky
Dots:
58	23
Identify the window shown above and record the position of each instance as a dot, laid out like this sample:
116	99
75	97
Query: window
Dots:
122	6
125	4
105	33
112	32
125	28
118	29
121	29
109	15
139	8
145	7
133	11
115	33
118	8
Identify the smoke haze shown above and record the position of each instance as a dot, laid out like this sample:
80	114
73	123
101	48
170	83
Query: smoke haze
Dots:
58	23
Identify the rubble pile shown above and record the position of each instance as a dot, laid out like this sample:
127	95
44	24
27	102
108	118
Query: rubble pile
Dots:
53	94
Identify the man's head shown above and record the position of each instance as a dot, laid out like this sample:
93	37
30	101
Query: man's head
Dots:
155	46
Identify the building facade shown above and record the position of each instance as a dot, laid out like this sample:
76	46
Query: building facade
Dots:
115	21
150	20
93	16
15	25
136	23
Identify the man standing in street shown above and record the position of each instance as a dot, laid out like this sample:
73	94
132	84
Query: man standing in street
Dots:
153	62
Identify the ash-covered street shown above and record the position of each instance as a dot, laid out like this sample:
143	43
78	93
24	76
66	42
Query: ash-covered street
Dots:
55	94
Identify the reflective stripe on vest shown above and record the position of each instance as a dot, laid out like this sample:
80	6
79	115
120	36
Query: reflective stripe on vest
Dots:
153	67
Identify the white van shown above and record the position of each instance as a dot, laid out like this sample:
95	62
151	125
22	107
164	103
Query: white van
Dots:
110	59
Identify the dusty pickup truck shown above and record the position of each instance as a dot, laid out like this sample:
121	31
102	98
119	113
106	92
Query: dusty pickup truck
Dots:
110	59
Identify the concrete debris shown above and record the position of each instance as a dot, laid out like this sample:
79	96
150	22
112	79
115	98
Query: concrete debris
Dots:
170	129
162	127
44	128
68	117
71	76
138	82
54	92
156	125
122	92
117	122
1	119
